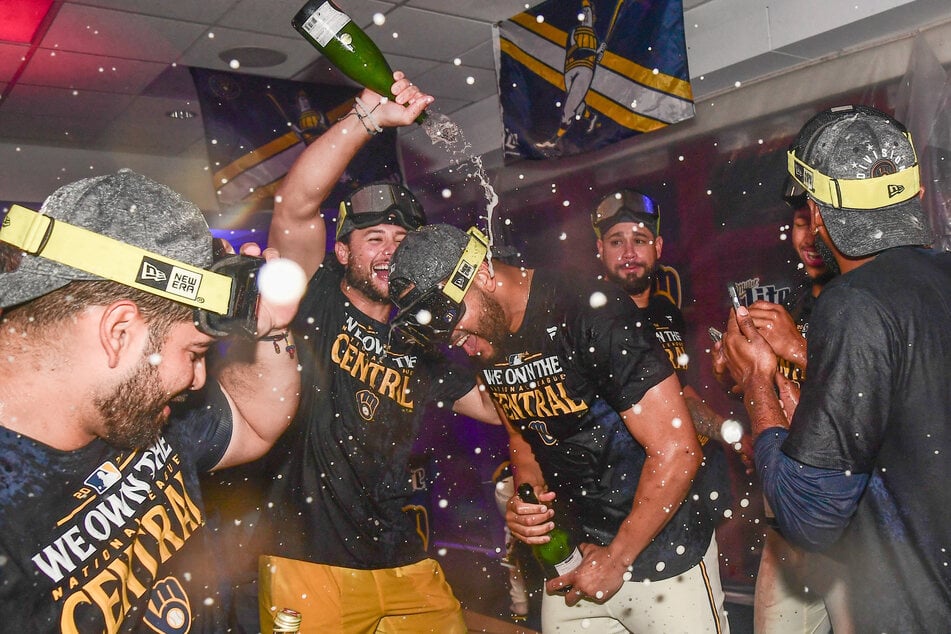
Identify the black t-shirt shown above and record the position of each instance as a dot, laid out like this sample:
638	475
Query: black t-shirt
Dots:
339	476
583	353
878	402
670	327
102	539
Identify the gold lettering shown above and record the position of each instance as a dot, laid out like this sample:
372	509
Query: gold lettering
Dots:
342	341
541	406
184	508
109	591
156	523
362	367
350	355
387	382
546	402
390	384
565	402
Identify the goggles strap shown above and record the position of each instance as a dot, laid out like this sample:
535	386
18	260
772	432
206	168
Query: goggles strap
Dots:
462	275
40	235
861	193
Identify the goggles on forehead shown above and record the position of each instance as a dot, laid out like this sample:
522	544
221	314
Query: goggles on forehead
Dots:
430	317
626	205
858	193
224	296
379	203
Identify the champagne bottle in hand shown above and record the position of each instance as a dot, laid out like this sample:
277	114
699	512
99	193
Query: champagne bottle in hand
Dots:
560	555
346	45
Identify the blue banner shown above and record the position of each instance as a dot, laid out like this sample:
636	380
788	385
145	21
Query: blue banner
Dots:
256	127
577	76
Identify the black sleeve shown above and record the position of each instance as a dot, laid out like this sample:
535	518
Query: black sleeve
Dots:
205	419
618	347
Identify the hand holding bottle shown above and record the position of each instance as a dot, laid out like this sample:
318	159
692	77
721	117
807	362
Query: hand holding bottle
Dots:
597	578
403	109
588	571
530	521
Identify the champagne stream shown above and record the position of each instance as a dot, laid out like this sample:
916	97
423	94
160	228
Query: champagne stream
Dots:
442	130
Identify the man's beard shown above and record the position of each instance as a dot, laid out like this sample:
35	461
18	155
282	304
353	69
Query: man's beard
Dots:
832	266
637	284
132	414
364	285
492	327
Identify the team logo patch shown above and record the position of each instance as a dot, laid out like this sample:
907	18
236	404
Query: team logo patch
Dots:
103	477
882	167
367	404
169	278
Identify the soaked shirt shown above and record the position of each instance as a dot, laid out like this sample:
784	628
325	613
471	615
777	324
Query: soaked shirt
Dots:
878	402
107	540
339	478
575	362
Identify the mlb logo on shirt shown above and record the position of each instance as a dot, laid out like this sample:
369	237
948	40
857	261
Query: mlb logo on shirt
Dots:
103	477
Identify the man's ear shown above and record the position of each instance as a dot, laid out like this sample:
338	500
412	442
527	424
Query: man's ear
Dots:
484	278
816	215
121	327
342	251
658	245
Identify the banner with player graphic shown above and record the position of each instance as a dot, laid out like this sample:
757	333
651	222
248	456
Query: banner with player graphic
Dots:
578	75
256	127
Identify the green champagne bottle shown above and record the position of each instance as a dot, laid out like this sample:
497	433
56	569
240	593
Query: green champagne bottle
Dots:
560	555
346	45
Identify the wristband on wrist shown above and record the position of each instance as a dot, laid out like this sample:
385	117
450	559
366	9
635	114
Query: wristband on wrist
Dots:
290	348
365	115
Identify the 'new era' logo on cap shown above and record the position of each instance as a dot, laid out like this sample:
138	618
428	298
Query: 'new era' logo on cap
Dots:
169	278
466	271
894	190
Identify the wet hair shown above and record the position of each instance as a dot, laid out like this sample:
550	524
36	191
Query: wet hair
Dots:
45	313
9	258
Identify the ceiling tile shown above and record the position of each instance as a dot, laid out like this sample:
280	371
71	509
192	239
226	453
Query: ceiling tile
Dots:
204	52
362	11
486	10
203	12
174	82
17	127
414	32
84	29
482	56
58	102
448	80
89	72
11	56
145	127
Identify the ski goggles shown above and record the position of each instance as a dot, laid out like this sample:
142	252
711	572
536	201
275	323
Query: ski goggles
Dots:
430	317
625	205
379	203
223	296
